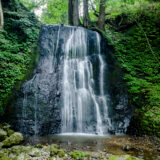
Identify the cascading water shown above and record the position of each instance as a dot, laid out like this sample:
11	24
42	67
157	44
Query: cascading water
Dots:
71	88
78	86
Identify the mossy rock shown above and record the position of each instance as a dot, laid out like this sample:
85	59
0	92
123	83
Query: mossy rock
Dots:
39	146
1	145
3	153
123	157
79	155
5	158
22	156
34	152
16	150
53	149
10	132
14	139
61	152
3	134
54	146
7	129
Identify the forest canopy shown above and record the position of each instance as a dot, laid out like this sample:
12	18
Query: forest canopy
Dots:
86	12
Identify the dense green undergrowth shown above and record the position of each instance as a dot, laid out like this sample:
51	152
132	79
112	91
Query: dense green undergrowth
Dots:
134	31
17	42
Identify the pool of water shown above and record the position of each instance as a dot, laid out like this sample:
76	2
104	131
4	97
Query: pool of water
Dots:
142	147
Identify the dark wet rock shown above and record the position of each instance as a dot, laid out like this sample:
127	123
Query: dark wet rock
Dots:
111	131
158	149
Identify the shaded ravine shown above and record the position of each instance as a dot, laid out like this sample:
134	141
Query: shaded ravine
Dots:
76	87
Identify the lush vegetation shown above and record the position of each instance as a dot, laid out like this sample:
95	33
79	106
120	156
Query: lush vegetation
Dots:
132	27
17	41
134	31
55	12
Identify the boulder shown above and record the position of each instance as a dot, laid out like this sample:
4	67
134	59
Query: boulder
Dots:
3	134
61	152
34	153
14	139
8	130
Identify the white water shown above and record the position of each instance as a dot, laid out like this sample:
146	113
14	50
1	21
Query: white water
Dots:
71	90
80	100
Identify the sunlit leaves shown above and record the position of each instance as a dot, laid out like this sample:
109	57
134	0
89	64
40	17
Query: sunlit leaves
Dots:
56	12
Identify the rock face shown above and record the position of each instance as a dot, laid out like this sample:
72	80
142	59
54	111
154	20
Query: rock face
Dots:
77	62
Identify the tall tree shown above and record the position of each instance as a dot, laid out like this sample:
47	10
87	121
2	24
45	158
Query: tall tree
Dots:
73	12
101	18
1	16
86	18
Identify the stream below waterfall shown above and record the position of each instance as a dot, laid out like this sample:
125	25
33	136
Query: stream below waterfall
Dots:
141	147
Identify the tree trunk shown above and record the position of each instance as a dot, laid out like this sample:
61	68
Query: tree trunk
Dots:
73	13
101	19
1	16
86	18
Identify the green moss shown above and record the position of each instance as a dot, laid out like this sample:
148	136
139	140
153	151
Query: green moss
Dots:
14	139
123	157
61	152
8	130
79	155
53	149
17	55
5	158
138	62
3	134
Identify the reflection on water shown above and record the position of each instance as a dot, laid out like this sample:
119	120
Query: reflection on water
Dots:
141	147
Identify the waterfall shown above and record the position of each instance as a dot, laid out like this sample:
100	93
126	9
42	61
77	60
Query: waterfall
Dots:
73	88
78	86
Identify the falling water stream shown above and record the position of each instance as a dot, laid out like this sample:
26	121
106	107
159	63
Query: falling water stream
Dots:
78	85
71	90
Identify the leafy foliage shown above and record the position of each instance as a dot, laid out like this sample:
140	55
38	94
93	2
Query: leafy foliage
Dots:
17	40
132	49
56	12
33	4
